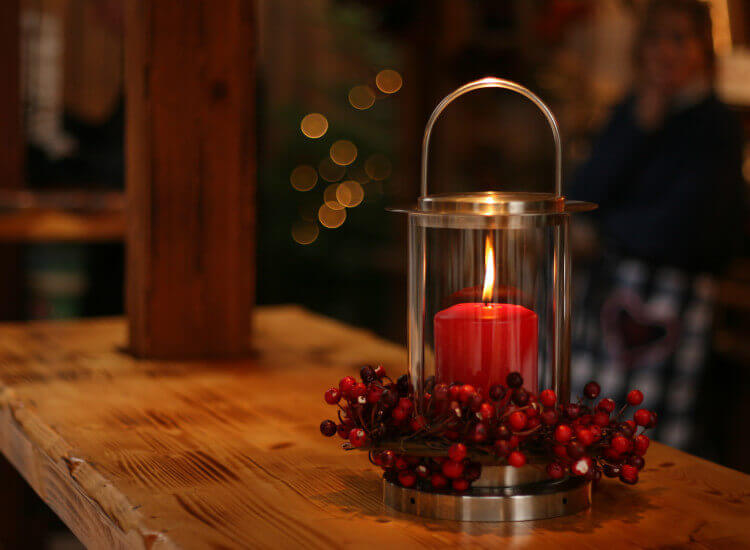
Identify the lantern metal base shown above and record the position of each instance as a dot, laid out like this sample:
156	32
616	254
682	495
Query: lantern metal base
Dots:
533	501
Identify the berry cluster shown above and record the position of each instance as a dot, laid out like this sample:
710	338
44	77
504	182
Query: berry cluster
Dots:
441	442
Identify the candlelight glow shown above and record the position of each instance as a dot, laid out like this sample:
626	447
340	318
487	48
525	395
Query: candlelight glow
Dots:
489	271
314	125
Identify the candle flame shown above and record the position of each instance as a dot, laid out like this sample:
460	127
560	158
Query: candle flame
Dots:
489	271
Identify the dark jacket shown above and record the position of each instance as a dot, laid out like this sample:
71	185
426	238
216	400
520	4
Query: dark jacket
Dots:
670	197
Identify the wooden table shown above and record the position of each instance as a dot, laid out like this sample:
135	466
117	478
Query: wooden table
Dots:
147	454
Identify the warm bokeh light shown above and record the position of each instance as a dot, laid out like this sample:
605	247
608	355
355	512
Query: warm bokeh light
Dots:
361	97
314	125
343	152
330	199
305	232
350	193
388	81
330	171
303	177
378	167
331	218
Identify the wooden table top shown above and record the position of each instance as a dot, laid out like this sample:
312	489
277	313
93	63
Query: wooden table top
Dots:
148	454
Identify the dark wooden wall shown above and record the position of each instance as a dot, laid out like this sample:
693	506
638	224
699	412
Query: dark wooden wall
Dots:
190	140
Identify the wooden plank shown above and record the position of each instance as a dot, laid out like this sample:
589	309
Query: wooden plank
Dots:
160	454
190	77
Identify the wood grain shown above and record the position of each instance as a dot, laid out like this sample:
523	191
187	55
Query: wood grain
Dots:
190	140
227	454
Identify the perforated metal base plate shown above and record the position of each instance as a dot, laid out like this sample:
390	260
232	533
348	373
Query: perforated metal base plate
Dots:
534	501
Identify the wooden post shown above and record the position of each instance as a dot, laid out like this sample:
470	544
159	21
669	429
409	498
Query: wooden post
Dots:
190	140
11	151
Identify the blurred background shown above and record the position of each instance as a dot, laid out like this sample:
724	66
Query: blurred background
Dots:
345	88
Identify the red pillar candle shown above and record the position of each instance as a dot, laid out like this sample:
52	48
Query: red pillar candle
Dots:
479	344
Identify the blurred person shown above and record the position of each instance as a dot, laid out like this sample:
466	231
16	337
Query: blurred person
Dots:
666	173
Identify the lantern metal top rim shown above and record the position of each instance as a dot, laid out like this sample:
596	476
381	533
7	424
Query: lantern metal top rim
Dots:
495	203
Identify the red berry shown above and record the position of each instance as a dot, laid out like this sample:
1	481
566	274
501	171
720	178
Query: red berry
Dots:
584	437
572	410
457	452
629	474
486	411
358	392
406	404
549	417
582	466
418	423
642	417
520	397
547	398
357	437
533	422
501	447
328	428
514	380
454	392
400	463
561	451
407	478
601	418
343	430
387	458
422	471
460	485
440	392
612	470
555	470
453	469
613	456
438	481
399	414
575	450
640	444
346	384
332	396
517	459
592	390
374	394
478	432
607	405
563	433
517	421
620	444
467	391
367	374
652	421
513	441
637	461
380	371
596	432
497	392
634	398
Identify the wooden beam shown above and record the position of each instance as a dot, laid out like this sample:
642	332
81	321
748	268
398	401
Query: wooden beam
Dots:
190	139
11	151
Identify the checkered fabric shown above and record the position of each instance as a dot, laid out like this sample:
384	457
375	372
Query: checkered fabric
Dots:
644	327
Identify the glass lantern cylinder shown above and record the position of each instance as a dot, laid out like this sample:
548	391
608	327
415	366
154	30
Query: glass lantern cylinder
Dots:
489	280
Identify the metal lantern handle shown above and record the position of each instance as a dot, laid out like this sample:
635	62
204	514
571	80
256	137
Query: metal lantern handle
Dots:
492	82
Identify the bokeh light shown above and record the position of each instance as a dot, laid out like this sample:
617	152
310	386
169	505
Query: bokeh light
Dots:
303	177
331	218
388	81
330	199
314	125
330	171
304	232
349	193
378	167
361	97
343	152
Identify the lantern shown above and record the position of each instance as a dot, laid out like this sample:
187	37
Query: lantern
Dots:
489	294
